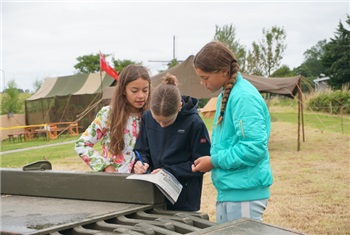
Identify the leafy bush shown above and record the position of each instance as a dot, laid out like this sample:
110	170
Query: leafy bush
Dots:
333	102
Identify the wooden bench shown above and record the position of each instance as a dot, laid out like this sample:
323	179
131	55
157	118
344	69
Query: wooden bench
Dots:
15	136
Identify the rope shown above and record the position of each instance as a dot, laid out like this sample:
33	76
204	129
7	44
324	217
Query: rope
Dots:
65	108
83	113
86	111
48	111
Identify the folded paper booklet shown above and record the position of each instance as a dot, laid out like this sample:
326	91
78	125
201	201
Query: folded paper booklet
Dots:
165	181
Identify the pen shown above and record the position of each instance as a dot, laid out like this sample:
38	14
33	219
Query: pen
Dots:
140	159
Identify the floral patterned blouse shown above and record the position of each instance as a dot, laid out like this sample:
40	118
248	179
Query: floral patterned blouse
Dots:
99	131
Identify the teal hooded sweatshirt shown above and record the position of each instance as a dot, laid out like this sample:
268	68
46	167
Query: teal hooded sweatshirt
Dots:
239	150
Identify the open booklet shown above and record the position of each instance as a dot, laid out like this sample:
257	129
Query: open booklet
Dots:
165	181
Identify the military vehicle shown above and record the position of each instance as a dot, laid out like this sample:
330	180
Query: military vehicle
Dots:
39	200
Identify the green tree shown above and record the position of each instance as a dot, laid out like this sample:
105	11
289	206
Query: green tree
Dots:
91	63
283	71
227	35
119	65
302	70
268	53
253	66
10	102
313	61
312	66
37	84
173	63
336	57
88	63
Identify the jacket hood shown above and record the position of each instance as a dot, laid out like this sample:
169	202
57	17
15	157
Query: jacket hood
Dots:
189	106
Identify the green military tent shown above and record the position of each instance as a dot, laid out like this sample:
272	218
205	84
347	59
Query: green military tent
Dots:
67	99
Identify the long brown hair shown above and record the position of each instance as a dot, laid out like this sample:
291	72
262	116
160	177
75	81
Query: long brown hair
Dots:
166	97
120	109
215	57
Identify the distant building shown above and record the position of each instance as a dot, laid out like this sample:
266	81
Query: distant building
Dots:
321	83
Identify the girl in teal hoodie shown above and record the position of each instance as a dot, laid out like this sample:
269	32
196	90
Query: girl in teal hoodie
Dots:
239	159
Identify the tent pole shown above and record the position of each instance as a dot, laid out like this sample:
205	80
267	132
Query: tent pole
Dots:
298	148
299	106
302	109
101	86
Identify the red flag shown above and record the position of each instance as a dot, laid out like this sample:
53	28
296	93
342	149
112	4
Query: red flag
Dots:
108	69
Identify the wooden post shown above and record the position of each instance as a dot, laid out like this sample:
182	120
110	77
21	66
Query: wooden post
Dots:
301	108
299	112
298	148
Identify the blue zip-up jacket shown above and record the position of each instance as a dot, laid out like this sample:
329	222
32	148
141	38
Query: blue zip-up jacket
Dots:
239	150
175	148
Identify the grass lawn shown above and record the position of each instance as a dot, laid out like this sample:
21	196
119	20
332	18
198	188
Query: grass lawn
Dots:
6	146
326	122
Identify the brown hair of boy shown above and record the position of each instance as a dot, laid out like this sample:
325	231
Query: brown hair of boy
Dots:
166	97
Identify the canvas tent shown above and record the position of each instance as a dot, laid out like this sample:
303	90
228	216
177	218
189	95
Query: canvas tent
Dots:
67	99
189	84
208	111
107	93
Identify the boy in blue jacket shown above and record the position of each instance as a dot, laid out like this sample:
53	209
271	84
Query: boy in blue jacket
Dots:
172	136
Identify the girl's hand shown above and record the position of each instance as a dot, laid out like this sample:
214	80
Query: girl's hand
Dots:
110	169
202	164
139	168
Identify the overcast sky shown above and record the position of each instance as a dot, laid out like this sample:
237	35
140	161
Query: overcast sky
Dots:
41	39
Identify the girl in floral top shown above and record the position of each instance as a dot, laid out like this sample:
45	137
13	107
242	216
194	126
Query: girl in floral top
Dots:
117	126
